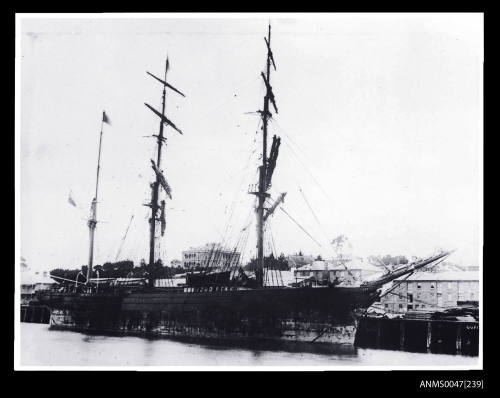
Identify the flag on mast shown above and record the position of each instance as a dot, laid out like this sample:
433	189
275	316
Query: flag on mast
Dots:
105	118
71	201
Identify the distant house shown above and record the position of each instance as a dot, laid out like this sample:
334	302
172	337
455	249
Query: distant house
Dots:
432	291
212	255
33	282
176	263
298	260
350	272
449	266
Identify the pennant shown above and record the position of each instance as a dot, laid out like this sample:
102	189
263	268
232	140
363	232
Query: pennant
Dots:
105	118
71	201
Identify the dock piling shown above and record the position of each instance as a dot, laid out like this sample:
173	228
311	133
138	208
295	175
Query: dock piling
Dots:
429	336
459	339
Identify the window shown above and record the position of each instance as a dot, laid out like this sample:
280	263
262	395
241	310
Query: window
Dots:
410	306
419	285
423	306
433	285
400	306
416	306
387	306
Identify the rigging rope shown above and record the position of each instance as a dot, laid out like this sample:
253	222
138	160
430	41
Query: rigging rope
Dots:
314	214
294	153
276	252
390	290
300	226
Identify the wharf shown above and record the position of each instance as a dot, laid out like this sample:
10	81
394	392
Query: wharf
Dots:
446	336
35	314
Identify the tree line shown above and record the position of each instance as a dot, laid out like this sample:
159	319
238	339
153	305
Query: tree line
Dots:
127	268
119	269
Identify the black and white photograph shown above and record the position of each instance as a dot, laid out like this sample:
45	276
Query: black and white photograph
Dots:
249	191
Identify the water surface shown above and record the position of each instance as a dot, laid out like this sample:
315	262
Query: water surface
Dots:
43	347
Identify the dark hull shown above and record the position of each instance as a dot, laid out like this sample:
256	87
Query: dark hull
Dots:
322	315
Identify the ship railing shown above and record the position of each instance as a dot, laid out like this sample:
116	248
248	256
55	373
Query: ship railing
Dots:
208	288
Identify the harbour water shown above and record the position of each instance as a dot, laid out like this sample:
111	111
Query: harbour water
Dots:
40	346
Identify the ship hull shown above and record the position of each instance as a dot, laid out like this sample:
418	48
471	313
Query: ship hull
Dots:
313	315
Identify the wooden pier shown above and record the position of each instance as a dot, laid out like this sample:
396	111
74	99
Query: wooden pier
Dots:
419	335
35	314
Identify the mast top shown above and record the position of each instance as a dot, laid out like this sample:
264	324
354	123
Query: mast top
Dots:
160	180
268	163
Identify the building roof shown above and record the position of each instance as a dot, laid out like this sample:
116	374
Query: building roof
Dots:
355	264
443	276
209	247
27	278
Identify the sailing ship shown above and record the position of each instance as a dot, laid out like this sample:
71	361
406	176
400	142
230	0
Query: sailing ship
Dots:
218	303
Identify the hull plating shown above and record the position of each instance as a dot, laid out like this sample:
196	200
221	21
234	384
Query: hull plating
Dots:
315	315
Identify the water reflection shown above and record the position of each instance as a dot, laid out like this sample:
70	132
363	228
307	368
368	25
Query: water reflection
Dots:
41	347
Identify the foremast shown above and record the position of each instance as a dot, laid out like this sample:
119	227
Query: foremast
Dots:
268	163
160	179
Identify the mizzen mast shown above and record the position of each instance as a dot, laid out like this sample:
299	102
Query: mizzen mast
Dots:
160	179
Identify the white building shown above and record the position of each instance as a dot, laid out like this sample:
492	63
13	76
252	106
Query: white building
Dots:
350	272
432	291
212	254
176	263
33	282
298	260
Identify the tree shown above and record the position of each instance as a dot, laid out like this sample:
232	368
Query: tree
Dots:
270	262
120	269
342	247
388	261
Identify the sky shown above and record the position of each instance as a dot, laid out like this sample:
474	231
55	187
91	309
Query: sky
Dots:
380	117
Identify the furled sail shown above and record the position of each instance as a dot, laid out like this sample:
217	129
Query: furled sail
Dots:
278	201
162	217
161	178
271	163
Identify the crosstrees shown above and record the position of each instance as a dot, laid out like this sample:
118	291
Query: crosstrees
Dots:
267	167
160	179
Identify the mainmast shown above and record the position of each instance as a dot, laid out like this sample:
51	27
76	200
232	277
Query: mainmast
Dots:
267	167
160	179
92	222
